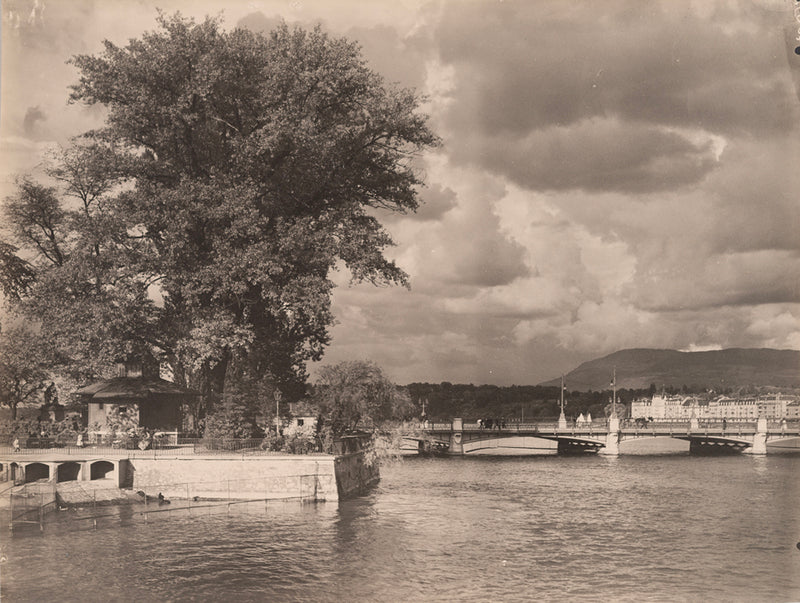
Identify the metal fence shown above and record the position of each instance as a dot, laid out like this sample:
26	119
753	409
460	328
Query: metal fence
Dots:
184	447
33	504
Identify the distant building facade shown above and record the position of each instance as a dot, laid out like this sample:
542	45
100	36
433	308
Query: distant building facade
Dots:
682	408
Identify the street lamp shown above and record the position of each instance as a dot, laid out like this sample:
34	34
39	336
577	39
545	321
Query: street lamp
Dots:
277	410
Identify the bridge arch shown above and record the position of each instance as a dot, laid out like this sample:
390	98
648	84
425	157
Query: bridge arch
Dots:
101	469
68	472
36	471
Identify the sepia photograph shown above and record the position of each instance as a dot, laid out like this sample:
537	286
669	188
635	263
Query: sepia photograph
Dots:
399	300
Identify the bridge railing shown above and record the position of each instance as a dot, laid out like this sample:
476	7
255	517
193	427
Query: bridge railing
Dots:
732	427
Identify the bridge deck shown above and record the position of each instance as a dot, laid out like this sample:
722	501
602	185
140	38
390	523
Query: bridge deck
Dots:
732	429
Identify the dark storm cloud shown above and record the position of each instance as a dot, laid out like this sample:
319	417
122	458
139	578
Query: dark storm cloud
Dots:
594	155
489	261
757	196
528	73
32	116
435	201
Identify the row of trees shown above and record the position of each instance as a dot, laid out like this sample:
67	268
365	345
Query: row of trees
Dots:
535	402
234	173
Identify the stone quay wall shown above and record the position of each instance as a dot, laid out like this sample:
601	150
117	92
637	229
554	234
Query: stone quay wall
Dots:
223	477
304	477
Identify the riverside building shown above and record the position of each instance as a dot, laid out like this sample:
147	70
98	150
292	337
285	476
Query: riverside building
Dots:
682	408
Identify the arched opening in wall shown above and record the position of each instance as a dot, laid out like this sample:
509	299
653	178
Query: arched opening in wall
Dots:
36	471
68	472
14	472
101	469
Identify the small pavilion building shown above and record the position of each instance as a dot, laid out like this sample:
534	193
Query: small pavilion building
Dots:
137	397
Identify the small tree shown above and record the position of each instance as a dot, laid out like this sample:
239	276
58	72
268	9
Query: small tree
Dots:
229	422
22	373
357	394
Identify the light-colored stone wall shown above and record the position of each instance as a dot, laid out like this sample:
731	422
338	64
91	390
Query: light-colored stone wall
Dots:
307	477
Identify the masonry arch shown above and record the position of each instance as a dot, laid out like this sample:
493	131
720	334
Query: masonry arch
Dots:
101	469
68	472
36	471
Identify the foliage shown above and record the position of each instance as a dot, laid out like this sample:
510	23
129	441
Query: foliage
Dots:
63	432
22	367
357	394
272	441
16	274
389	443
235	171
300	443
228	422
534	402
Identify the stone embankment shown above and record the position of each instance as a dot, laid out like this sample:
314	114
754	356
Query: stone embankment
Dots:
173	474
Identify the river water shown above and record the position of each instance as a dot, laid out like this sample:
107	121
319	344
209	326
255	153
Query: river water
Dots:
632	528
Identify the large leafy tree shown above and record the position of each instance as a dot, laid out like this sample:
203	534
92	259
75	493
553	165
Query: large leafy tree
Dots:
235	171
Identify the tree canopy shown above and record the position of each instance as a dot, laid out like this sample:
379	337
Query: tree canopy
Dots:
234	173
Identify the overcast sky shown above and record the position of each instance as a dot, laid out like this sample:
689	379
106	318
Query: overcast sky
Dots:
612	175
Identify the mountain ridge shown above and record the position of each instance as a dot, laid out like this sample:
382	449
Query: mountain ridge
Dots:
638	368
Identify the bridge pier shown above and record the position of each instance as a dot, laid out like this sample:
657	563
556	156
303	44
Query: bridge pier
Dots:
612	437
457	437
759	438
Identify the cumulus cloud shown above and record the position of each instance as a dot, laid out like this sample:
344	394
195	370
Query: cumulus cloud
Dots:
616	174
552	97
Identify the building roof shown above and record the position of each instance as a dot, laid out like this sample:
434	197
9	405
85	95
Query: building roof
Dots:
133	387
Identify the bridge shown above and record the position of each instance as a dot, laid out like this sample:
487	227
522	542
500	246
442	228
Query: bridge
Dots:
611	437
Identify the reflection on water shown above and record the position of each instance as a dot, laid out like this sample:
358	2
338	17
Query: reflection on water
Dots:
518	529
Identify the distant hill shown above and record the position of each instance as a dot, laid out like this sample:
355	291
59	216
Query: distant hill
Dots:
736	367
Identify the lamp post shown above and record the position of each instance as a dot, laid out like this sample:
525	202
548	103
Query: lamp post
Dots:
614	390
562	419
277	411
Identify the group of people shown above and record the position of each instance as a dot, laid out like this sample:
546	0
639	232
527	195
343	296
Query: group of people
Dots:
491	424
78	442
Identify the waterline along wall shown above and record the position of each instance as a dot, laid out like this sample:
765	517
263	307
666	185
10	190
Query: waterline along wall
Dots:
235	477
